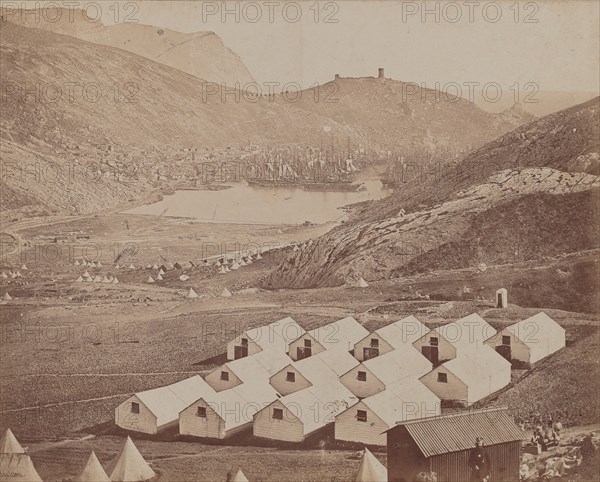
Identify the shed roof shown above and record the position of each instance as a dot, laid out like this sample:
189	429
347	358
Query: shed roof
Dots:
403	331
166	402
455	432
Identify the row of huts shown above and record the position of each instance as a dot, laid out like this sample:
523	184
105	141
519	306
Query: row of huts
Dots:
287	383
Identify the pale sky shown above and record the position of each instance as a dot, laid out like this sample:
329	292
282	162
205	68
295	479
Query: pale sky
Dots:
559	52
554	44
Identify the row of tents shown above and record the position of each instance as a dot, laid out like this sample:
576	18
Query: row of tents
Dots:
130	466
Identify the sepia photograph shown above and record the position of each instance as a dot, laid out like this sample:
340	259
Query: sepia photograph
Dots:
299	241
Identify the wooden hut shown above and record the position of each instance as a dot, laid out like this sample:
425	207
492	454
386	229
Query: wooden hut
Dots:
443	444
530	340
389	337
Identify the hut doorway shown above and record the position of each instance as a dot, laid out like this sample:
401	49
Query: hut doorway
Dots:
431	353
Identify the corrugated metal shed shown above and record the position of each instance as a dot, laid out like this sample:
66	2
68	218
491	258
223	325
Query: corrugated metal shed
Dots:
456	432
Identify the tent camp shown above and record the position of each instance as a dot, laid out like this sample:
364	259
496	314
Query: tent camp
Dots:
442	343
324	368
370	469
367	421
389	337
292	418
338	335
220	415
529	340
15	463
92	471
129	465
374	375
274	336
155	410
474	374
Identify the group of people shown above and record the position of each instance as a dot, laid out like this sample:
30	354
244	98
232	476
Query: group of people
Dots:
546	435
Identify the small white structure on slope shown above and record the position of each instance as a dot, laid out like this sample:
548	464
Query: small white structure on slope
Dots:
530	340
362	283
7	297
129	465
502	298
370	469
15	463
152	411
150	279
92	471
390	337
192	294
226	293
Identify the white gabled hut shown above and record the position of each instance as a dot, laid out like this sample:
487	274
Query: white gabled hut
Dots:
474	374
250	369
389	338
443	342
374	375
529	340
223	414
366	422
274	336
338	335
321	369
296	416
155	410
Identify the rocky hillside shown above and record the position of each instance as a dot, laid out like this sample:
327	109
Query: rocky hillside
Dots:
201	54
529	194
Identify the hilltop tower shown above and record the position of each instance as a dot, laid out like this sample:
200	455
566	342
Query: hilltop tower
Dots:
381	75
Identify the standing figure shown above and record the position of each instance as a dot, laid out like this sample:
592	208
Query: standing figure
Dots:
479	463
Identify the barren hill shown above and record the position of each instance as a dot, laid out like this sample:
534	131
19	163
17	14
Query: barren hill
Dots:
529	194
397	114
201	54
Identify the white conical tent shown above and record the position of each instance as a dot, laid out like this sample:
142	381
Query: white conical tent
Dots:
131	266
77	262
99	264
192	294
362	283
105	280
79	280
222	270
86	274
92	471
115	280
226	293
24	267
9	444
84	263
235	265
239	477
150	279
258	256
3	275
154	266
129	465
15	464
161	272
7	297
370	469
159	278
